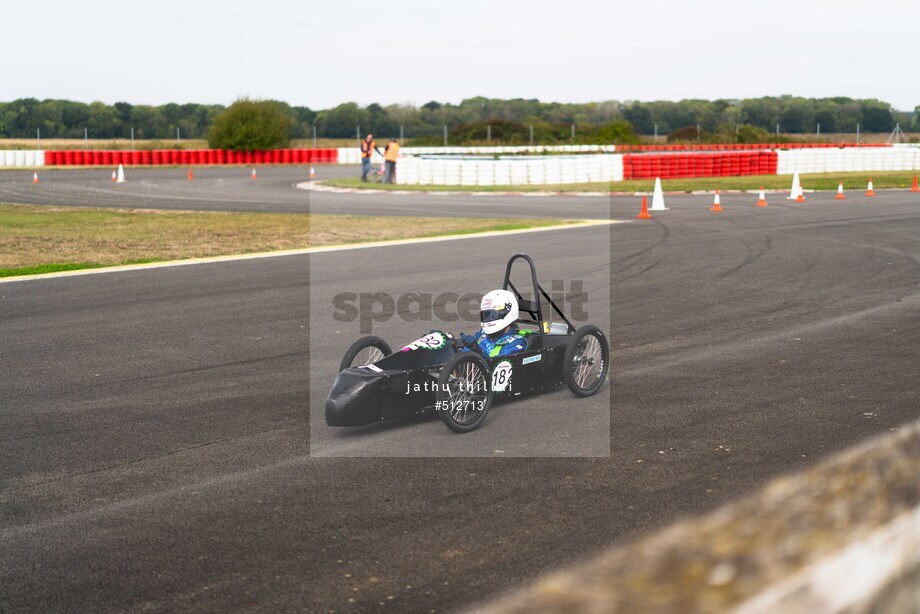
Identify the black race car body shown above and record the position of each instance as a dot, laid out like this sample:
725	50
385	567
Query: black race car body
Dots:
430	373
406	382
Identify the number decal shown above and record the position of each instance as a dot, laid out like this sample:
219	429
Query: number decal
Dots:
501	376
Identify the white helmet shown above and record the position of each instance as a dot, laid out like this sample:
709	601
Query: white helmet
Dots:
499	308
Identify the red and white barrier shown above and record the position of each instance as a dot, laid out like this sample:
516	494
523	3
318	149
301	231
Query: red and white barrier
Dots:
424	165
189	157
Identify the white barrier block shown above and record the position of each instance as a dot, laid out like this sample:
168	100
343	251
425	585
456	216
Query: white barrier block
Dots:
502	172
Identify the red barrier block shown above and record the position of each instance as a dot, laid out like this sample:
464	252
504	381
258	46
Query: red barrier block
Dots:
627	166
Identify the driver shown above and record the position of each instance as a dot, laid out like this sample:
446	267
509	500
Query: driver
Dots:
499	335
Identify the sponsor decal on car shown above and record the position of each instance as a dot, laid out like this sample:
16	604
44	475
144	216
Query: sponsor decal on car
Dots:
373	368
431	341
530	359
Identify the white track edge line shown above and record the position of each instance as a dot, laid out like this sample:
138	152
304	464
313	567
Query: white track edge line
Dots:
299	252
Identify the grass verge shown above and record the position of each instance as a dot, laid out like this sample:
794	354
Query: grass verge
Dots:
823	181
38	239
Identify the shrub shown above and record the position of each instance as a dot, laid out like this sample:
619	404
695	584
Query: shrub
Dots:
502	132
250	125
688	134
752	134
620	133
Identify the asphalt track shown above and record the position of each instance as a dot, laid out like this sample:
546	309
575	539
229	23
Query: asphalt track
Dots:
231	189
154	425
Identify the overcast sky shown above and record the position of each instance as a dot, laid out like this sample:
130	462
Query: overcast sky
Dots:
319	54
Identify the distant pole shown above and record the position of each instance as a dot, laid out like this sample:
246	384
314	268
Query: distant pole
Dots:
857	134
358	134
178	137
85	138
531	134
488	132
401	136
819	129
698	133
38	135
573	131
777	129
656	133
314	136
445	135
132	138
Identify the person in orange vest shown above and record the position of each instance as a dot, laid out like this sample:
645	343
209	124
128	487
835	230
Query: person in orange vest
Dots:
368	147
390	154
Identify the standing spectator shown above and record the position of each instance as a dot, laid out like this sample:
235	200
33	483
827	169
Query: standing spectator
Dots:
368	147
390	154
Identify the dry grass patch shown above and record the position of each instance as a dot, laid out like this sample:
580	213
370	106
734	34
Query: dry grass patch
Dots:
38	237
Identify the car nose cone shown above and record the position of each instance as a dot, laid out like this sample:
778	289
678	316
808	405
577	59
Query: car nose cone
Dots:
350	401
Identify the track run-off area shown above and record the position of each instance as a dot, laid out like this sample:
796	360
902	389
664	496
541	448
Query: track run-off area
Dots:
155	431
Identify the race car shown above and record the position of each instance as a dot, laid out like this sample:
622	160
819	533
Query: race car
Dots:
437	372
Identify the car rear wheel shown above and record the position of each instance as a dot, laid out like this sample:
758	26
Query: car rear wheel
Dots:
587	360
464	393
365	351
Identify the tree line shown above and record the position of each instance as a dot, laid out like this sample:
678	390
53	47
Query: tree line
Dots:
473	119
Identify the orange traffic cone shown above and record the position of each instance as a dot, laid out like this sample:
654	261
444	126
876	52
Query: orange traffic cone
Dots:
840	195
716	204
34	177
915	187
253	175
644	214
312	173
191	175
114	178
763	199
870	191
